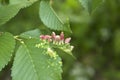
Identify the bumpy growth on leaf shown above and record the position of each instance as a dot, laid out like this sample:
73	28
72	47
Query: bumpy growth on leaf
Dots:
36	59
58	41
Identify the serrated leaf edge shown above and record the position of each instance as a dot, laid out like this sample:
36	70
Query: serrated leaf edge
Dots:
10	55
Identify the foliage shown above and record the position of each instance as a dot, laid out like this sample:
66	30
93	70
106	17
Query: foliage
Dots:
34	54
34	59
49	17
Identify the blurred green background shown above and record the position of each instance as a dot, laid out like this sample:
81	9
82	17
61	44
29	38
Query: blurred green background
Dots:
96	38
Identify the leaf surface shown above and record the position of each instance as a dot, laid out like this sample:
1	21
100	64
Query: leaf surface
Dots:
50	18
7	45
31	34
33	62
9	11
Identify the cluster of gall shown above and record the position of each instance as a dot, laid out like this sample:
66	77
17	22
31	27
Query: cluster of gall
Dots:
58	40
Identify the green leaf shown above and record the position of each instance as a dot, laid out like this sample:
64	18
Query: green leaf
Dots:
7	45
25	3
50	18
65	48
31	34
33	62
90	5
22	1
9	11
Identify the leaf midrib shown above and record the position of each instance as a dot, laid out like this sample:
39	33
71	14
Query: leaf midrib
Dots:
31	60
